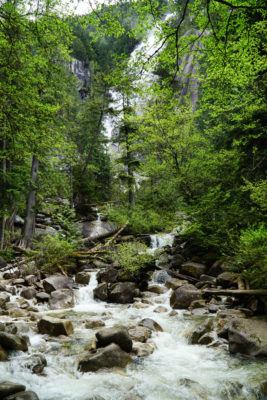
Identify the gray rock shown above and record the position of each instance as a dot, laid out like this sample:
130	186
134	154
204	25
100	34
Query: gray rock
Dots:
61	299
3	263
94	323
28	293
109	275
4	298
248	337
3	355
175	283
30	279
119	336
13	342
182	297
151	324
29	395
107	357
35	362
82	277
42	296
57	282
193	269
201	329
7	388
140	333
122	292
161	276
225	279
55	326
101	291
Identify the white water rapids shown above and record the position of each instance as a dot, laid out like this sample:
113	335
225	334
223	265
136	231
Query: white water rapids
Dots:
164	375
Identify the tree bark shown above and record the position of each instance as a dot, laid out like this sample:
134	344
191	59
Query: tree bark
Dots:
3	218
31	202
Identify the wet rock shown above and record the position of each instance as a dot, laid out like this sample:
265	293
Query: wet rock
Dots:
182	297
4	298
57	282
193	269
140	333
174	283
161	276
35	362
197	304
217	268
29	395
3	355
225	279
151	324
119	336
82	277
107	357
248	337
18	282
109	275
263	388
207	278
195	333
3	262
160	309
177	261
230	313
143	349
13	342
207	338
42	297
30	280
199	311
28	293
101	291
7	388
17	313
122	292
156	289
61	299
94	323
55	326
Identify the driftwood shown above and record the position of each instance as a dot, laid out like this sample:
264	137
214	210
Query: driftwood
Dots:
116	235
236	292
88	253
177	275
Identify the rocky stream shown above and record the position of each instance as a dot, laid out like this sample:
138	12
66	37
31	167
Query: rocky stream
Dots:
94	337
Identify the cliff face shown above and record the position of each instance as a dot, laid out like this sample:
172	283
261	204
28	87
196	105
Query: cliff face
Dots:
82	72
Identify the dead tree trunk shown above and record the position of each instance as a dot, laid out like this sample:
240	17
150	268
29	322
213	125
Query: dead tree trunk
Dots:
31	202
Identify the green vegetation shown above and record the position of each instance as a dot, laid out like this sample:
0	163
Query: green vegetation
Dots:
132	257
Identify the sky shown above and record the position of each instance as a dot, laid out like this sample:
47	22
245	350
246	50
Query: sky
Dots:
81	7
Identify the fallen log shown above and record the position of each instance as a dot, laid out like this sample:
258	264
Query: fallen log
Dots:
100	236
178	275
235	292
88	253
116	234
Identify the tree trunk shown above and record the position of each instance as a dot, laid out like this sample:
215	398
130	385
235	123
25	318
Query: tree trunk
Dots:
3	218
31	202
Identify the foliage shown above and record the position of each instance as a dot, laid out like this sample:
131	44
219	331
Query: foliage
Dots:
251	256
53	253
132	257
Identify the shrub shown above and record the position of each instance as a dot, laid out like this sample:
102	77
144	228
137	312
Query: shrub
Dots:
132	257
251	256
53	252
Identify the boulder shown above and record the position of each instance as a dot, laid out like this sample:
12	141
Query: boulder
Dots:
156	289
3	262
82	277
94	323
161	276
193	269
4	298
225	279
109	275
30	279
160	309
35	363
55	326
175	283
143	349
199	330
107	357
42	296
151	324
7	388
28	293
57	282
118	335
3	355
248	337
101	291
61	299
13	342
183	296
140	333
29	395
122	292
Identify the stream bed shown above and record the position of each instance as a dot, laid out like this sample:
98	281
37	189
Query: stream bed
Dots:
175	370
